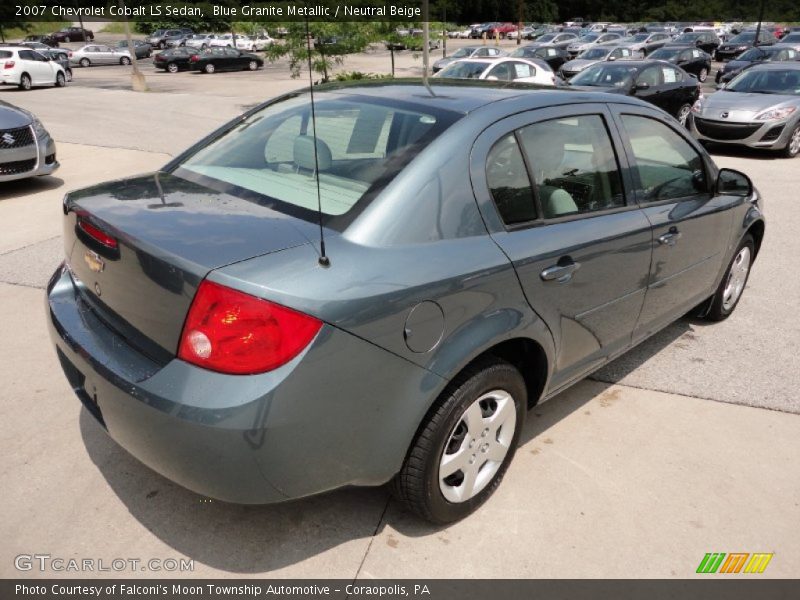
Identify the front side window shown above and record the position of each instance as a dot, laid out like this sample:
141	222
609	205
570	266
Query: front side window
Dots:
361	145
666	166
574	166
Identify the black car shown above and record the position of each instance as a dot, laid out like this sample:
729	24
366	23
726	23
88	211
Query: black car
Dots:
707	41
47	40
656	81
73	34
690	59
141	48
742	42
554	57
225	59
175	59
752	57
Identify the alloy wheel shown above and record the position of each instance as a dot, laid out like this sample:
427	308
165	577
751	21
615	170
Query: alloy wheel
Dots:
125	60
737	277
253	65
172	68
793	148
25	82
683	114
85	62
209	68
477	446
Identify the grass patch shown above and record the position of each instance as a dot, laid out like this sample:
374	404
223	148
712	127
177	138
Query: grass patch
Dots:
37	28
116	27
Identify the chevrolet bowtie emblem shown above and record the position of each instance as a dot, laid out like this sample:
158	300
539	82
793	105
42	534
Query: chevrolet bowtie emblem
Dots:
94	262
724	115
8	139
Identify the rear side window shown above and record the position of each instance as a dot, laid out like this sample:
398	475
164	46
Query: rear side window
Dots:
508	182
361	146
574	166
5	54
666	166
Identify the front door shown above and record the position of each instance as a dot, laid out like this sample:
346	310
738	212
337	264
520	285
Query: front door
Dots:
581	249
690	224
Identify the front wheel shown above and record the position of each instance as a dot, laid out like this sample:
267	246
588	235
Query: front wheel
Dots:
683	114
730	289
25	82
209	68
172	68
125	61
793	146
463	449
252	65
85	62
61	80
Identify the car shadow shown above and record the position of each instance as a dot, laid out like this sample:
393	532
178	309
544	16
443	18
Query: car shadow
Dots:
740	152
31	185
259	539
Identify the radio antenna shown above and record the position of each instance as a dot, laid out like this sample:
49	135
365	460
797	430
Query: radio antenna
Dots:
323	259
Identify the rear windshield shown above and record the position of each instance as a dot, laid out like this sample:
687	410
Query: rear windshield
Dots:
362	144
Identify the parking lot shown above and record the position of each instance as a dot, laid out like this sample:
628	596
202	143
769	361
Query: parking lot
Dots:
683	446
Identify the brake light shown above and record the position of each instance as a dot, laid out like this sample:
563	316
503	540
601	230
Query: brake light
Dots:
194	58
96	234
232	332
9	64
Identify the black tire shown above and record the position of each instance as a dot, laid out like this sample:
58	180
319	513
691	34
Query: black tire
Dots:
25	82
66	39
417	484
209	68
125	61
719	310
793	145
683	114
61	79
172	67
85	62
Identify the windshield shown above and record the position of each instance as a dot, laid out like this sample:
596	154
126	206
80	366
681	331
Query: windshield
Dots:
771	81
666	53
589	37
744	38
269	157
523	53
753	54
605	75
461	53
792	38
463	70
595	54
641	37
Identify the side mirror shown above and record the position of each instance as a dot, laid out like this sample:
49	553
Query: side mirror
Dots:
733	183
612	58
641	86
492	78
698	42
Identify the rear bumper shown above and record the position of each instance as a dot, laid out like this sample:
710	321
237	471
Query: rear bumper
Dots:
342	413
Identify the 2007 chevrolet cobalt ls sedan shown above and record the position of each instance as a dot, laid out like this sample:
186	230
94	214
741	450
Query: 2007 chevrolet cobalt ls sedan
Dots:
486	246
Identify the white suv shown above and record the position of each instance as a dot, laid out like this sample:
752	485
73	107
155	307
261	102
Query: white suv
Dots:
26	68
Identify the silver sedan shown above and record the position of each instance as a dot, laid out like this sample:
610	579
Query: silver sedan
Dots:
97	54
760	108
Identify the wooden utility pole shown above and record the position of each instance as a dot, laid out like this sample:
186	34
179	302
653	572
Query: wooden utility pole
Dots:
138	82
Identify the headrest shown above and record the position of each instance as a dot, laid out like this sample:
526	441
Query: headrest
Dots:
304	153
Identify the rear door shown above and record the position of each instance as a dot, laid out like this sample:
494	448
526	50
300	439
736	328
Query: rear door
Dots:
580	247
691	227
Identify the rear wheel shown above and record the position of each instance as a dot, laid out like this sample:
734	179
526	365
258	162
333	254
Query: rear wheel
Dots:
25	82
466	443
209	68
683	114
61	79
793	147
172	68
252	65
125	61
85	62
66	39
733	283
703	75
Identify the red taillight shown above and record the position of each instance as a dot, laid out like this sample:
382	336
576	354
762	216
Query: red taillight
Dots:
233	332
194	58
9	64
97	234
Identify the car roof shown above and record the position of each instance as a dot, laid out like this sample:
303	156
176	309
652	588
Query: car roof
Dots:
785	65
467	95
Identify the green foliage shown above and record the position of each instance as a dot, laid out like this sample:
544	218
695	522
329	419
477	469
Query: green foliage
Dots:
359	76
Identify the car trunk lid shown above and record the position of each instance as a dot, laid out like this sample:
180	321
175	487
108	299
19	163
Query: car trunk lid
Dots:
138	248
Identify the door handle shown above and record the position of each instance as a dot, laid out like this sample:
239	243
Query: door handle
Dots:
561	272
670	238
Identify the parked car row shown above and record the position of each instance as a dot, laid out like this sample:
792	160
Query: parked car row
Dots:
209	61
